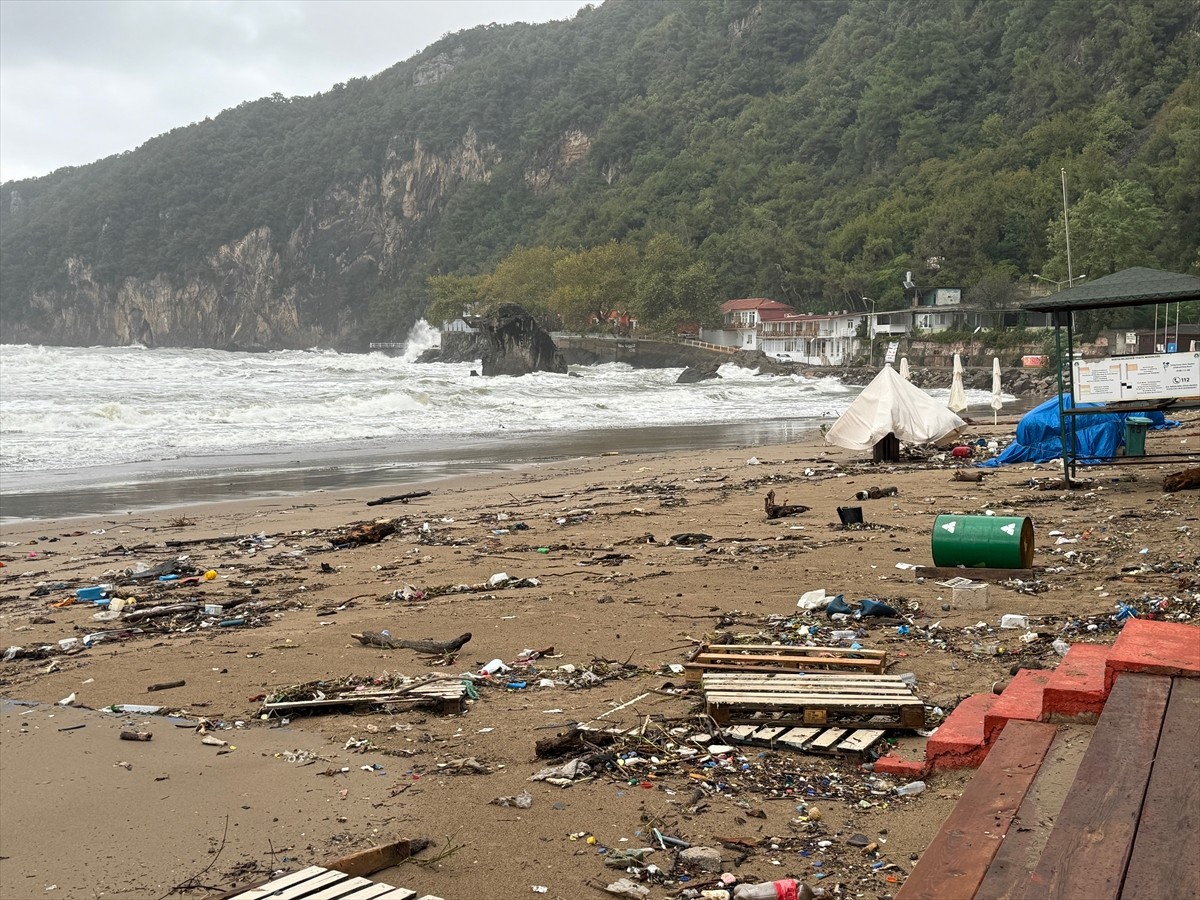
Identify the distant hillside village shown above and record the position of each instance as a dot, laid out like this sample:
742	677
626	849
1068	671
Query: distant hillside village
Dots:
842	338
837	338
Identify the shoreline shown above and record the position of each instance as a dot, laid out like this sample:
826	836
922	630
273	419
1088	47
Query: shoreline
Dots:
179	484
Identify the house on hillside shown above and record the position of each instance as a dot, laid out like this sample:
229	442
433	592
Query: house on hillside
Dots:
941	309
819	339
741	321
778	330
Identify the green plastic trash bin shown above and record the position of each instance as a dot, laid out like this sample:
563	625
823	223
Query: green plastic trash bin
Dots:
1135	435
995	542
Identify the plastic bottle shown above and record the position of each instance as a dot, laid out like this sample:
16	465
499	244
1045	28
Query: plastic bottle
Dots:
911	789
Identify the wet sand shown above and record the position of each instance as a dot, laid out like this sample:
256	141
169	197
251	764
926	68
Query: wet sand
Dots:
613	595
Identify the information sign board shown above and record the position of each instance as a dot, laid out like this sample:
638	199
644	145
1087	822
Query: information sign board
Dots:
1160	376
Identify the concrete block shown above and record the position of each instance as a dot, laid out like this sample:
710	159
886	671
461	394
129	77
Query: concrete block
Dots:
973	597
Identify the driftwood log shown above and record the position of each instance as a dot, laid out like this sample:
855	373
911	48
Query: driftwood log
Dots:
399	498
779	511
1187	480
876	493
964	475
435	648
367	533
574	741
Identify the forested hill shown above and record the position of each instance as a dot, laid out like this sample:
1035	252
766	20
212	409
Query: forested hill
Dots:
812	152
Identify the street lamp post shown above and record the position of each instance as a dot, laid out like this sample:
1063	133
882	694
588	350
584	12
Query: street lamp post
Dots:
1069	281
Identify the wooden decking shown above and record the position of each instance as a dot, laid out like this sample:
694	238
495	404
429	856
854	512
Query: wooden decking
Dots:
1128	829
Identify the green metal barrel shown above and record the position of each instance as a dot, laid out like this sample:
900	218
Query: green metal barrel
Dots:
995	542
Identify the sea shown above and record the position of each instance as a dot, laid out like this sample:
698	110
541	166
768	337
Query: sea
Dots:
100	430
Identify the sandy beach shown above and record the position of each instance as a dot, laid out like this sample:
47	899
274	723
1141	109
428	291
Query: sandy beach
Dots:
595	581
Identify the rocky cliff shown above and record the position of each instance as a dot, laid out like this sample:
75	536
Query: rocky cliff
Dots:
300	289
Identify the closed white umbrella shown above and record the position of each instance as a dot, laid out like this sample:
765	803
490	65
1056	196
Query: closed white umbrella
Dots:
958	396
904	367
996	401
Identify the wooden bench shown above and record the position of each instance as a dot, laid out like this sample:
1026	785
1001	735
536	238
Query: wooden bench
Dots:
769	658
1128	829
869	701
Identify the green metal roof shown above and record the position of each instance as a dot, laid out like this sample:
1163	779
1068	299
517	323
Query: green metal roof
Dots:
1130	287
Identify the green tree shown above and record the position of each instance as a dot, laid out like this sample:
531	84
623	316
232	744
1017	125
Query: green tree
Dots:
592	284
453	296
526	277
1111	230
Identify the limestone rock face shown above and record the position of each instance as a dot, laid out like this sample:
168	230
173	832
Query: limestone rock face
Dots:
268	290
512	343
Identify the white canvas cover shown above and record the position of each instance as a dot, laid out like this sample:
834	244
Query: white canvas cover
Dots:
997	401
958	396
889	404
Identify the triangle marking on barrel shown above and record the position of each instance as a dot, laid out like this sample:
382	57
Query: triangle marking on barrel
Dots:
950	526
1009	529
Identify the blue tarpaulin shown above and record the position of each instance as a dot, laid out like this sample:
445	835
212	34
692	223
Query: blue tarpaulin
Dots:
1097	437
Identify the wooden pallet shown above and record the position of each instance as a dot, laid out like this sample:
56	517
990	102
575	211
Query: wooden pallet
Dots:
882	701
768	658
806	740
318	883
449	697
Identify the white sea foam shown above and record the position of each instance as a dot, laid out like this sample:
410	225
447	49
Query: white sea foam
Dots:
66	409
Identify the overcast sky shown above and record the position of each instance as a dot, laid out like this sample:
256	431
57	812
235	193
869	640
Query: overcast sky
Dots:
83	79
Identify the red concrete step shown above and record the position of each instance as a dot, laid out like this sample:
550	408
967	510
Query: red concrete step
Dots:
1076	691
895	764
1155	648
1022	700
959	741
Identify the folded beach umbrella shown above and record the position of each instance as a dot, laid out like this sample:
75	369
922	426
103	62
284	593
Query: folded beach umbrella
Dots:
958	396
891	405
996	401
904	367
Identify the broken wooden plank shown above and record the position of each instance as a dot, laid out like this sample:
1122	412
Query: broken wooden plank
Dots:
827	739
268	888
768	733
861	740
798	738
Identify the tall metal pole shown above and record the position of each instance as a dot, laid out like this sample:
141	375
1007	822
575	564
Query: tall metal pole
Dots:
1067	229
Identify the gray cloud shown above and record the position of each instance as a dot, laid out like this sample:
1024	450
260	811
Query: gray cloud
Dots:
83	79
